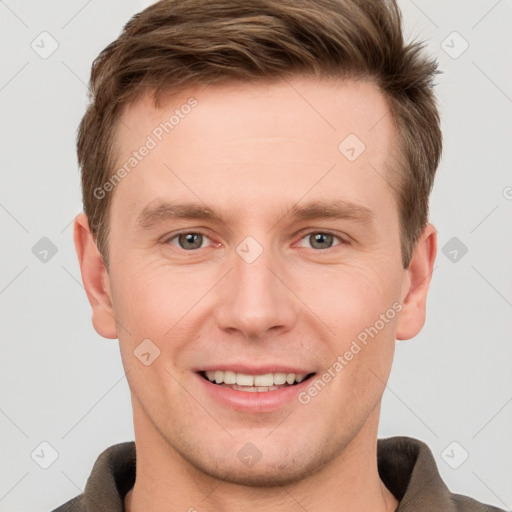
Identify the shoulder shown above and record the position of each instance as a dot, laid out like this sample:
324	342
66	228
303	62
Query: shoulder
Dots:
408	469
74	505
111	477
466	504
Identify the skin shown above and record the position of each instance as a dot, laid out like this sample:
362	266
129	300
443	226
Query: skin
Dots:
250	153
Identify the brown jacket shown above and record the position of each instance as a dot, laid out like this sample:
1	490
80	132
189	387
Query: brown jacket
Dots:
406	466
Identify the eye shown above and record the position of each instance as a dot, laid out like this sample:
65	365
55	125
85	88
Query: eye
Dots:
193	240
320	240
188	241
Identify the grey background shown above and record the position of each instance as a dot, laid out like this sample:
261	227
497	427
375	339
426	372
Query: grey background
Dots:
63	384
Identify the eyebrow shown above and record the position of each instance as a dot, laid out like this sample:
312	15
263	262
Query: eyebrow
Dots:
154	214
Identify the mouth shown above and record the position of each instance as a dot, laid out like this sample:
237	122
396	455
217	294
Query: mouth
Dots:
262	383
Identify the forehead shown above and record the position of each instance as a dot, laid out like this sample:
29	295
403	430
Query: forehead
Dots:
258	142
300	107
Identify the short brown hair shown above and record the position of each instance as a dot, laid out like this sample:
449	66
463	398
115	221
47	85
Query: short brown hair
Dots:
178	43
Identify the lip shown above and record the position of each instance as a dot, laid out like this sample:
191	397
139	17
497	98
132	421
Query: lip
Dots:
253	402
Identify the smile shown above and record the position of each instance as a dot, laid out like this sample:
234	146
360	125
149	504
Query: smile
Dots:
254	383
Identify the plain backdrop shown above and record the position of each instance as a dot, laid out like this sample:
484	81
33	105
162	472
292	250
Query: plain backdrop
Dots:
64	385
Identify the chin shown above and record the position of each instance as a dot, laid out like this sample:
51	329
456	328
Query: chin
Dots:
274	466
261	475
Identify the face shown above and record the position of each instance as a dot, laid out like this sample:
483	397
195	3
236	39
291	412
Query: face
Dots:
256	243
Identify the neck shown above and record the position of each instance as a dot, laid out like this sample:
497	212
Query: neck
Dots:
165	481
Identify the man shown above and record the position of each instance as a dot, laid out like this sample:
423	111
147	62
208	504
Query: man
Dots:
256	179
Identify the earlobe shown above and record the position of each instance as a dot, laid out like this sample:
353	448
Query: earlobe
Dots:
416	285
95	278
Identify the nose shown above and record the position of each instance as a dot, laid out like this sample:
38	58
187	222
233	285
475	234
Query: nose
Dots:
255	300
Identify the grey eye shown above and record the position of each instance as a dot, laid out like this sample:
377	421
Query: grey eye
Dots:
189	241
321	240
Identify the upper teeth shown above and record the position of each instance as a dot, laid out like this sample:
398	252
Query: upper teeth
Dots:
242	379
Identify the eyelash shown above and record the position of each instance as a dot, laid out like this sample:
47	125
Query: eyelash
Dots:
305	235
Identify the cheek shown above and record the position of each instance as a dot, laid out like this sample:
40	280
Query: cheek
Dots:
154	300
150	302
362	314
351	298
360	306
367	323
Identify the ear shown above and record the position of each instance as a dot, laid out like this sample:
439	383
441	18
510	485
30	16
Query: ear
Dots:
416	284
95	278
